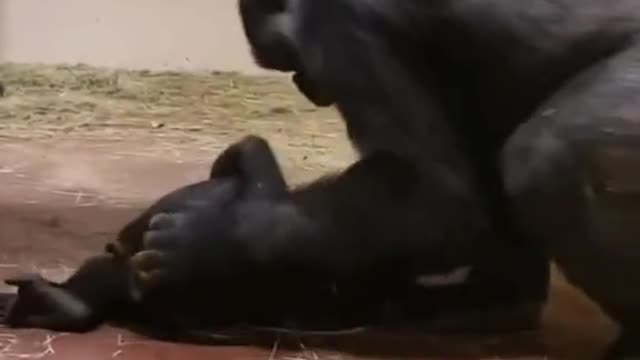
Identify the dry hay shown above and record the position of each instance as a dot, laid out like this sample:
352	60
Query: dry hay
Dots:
47	100
195	109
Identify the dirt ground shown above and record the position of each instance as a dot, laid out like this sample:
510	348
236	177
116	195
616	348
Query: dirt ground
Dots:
83	149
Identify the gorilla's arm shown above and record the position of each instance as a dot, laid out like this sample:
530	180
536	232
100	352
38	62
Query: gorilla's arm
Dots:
409	204
411	195
372	217
379	212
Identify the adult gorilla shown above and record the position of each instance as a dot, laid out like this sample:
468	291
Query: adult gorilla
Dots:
513	125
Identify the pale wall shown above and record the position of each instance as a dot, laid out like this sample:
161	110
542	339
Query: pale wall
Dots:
155	34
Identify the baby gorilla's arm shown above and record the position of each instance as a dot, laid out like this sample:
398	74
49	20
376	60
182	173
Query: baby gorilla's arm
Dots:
96	290
43	304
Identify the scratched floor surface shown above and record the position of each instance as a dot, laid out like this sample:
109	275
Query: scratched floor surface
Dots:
61	200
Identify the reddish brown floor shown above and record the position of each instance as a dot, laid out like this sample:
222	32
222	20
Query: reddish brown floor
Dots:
62	201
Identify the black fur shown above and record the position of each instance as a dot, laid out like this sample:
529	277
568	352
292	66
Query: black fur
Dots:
486	131
103	288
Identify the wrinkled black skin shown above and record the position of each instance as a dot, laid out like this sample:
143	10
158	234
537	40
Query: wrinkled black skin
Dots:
501	111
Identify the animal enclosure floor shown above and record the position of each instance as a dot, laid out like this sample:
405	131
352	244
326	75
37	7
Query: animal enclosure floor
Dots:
82	150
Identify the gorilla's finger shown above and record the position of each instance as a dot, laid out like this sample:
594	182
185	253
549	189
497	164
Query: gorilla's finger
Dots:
143	281
148	260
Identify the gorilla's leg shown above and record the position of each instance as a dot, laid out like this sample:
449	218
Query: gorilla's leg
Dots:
573	172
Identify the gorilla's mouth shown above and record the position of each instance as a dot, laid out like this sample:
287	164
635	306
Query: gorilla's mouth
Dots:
311	90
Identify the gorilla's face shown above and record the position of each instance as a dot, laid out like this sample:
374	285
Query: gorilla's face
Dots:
269	26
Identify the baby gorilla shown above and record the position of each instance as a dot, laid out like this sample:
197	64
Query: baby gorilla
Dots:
177	306
100	290
96	293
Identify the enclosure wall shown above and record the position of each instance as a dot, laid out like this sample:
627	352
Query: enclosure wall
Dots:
154	34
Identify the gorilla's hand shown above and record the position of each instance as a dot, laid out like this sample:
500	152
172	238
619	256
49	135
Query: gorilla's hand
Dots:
179	244
211	236
212	243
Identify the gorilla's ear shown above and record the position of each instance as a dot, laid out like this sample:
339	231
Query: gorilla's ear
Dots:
252	161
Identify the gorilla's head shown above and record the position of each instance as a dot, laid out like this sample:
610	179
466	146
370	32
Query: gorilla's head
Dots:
271	30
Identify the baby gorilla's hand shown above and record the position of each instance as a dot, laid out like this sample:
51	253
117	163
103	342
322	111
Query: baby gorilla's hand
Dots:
17	308
44	304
